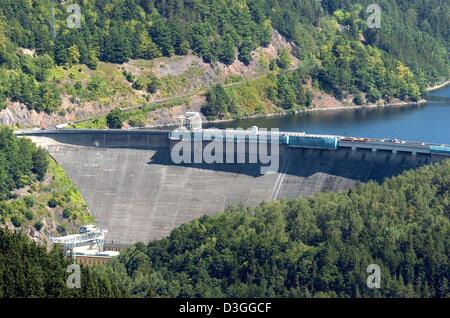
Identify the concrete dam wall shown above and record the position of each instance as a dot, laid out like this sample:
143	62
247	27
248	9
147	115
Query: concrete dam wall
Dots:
135	191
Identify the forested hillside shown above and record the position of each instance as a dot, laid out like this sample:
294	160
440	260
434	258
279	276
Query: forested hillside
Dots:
414	31
315	247
339	53
21	163
28	270
36	197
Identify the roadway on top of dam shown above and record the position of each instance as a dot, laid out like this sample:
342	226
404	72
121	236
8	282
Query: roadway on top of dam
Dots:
374	144
134	190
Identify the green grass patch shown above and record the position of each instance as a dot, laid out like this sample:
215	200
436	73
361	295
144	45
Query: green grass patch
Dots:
136	117
67	207
251	97
67	195
96	123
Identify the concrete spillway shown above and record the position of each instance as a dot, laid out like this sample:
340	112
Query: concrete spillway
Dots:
135	191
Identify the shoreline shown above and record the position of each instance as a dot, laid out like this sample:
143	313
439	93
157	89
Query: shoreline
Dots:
318	109
307	110
349	107
438	86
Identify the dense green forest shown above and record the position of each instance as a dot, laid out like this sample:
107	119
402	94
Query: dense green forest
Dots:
338	51
28	270
314	247
21	162
35	193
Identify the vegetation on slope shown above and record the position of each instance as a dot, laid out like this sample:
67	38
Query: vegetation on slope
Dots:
337	49
28	270
21	162
134	117
315	247
37	197
416	32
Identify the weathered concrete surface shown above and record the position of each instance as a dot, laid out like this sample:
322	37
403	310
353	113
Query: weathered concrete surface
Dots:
139	195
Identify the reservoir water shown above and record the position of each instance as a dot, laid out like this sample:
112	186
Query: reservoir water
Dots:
428	122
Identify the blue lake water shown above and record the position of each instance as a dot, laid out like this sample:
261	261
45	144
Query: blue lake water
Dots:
428	122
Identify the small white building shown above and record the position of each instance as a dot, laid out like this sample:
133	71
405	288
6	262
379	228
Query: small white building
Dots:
191	120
